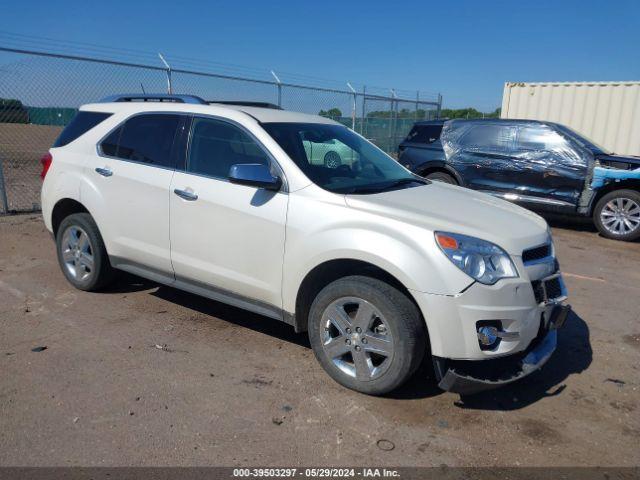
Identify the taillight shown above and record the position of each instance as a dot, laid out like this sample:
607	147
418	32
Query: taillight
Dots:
46	163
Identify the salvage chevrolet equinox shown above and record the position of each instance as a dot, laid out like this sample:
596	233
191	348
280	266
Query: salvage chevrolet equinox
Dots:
379	266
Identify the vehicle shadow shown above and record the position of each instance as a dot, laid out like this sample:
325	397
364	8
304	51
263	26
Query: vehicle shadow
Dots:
128	283
573	355
422	384
577	224
580	224
230	314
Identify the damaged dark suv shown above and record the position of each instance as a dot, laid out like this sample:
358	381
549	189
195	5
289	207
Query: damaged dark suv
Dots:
543	166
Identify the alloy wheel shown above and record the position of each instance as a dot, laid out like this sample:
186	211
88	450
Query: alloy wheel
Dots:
332	160
356	338
621	216
77	253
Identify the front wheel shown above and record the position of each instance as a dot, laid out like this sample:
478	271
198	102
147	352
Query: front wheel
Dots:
617	215
366	334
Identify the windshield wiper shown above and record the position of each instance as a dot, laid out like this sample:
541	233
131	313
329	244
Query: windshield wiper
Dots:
386	186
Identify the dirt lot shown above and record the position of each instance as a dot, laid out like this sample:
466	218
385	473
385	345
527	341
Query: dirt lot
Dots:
231	388
21	147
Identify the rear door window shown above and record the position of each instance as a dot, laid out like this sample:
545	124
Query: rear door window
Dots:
424	133
146	139
81	124
490	139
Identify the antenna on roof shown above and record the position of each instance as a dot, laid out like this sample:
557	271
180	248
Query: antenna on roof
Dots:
169	89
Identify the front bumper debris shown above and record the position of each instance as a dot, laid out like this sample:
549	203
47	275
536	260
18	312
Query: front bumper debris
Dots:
467	377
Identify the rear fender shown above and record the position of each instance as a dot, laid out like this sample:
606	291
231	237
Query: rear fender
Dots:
62	181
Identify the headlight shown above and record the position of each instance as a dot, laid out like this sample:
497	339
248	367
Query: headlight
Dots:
484	261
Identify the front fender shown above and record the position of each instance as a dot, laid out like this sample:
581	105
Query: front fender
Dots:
406	252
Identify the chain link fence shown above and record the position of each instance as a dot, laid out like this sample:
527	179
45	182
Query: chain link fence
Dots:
40	93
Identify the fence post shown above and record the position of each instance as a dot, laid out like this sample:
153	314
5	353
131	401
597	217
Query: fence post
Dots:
364	107
417	103
3	190
392	124
439	107
279	88
169	86
353	109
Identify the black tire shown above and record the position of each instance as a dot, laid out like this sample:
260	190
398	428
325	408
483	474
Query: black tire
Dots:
602	211
332	159
441	177
404	323
101	273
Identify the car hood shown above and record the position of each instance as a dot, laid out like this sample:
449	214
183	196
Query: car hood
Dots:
441	207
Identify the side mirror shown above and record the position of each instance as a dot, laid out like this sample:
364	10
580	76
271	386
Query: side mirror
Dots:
254	175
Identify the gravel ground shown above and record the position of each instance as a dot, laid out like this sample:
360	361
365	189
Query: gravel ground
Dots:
146	375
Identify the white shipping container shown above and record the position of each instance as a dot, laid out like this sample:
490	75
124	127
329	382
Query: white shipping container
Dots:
605	112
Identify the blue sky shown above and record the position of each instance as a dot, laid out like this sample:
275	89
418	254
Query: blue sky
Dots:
464	49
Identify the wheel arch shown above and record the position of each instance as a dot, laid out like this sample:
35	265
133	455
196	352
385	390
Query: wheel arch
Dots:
62	209
440	167
331	270
629	184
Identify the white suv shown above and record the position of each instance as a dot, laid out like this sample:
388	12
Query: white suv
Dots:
379	266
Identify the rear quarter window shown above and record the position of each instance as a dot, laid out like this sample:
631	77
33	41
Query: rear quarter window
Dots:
489	138
424	133
146	139
81	124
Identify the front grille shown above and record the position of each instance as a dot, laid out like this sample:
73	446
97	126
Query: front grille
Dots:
553	288
537	253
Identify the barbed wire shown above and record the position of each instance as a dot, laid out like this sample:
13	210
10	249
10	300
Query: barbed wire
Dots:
103	52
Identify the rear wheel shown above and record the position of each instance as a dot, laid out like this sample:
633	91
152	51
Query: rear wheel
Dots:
617	215
81	253
367	335
441	177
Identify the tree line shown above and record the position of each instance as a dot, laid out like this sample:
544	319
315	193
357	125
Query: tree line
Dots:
419	114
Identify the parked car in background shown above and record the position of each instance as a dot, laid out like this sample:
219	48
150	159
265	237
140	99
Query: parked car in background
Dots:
330	153
541	165
225	201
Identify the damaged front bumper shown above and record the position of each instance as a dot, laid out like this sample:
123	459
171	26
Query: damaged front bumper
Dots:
467	377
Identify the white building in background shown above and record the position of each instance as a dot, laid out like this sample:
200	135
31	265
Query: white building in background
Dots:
606	112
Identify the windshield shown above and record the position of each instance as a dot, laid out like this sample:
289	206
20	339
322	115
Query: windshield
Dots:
585	142
338	160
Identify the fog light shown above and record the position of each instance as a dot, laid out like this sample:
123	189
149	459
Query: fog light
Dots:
487	335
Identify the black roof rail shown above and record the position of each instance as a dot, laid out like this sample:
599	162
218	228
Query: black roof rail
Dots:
247	103
153	97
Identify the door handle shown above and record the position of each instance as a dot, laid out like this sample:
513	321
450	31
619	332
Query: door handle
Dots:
105	172
185	195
